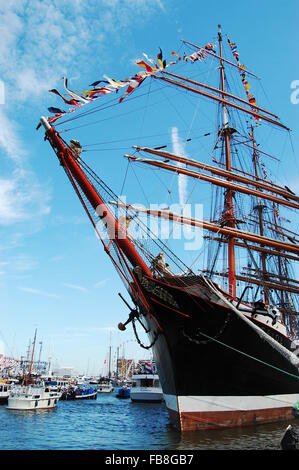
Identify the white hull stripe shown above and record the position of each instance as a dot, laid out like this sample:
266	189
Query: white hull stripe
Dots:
229	403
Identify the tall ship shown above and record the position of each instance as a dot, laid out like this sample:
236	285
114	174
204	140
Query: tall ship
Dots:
222	318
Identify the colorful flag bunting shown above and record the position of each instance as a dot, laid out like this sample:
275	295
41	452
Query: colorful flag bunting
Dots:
74	95
247	86
94	84
162	62
133	84
111	85
93	94
211	47
115	83
142	63
56	110
72	102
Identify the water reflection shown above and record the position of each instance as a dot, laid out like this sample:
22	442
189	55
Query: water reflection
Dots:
109	423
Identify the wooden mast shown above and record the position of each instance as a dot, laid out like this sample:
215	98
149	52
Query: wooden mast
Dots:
109	371
216	228
272	252
221	100
258	183
32	355
225	183
217	56
228	212
259	207
225	93
71	163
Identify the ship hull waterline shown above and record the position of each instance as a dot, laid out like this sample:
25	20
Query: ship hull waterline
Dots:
216	371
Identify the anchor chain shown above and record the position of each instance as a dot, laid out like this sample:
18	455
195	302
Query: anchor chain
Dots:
206	341
133	316
138	339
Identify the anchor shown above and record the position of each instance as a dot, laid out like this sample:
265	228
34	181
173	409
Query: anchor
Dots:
133	314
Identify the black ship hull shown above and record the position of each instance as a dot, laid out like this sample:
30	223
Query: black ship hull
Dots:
215	368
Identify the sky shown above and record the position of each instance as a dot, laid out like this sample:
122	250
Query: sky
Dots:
54	275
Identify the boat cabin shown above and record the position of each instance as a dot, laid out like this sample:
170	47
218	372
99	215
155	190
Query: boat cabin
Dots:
146	380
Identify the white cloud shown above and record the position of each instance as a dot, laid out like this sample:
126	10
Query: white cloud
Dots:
9	140
31	290
75	287
22	263
41	41
101	283
22	198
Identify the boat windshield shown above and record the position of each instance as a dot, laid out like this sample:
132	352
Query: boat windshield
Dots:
146	382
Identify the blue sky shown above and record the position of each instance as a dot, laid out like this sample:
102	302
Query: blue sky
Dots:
53	272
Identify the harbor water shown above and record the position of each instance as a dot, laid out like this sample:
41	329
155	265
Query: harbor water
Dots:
112	424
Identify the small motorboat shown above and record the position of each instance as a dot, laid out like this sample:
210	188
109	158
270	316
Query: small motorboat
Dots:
146	388
79	393
86	393
105	387
32	397
123	392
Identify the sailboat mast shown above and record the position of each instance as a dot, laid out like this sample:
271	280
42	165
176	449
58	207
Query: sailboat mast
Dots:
117	360
109	371
260	216
32	355
228	205
40	352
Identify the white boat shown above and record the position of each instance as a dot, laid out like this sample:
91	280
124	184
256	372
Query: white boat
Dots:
5	390
32	397
81	380
93	381
105	387
146	388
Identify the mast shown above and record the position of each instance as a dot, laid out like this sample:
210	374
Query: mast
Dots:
28	351
228	204
214	97
225	183
32	355
258	184
259	208
219	229
71	164
109	371
40	352
117	359
225	93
